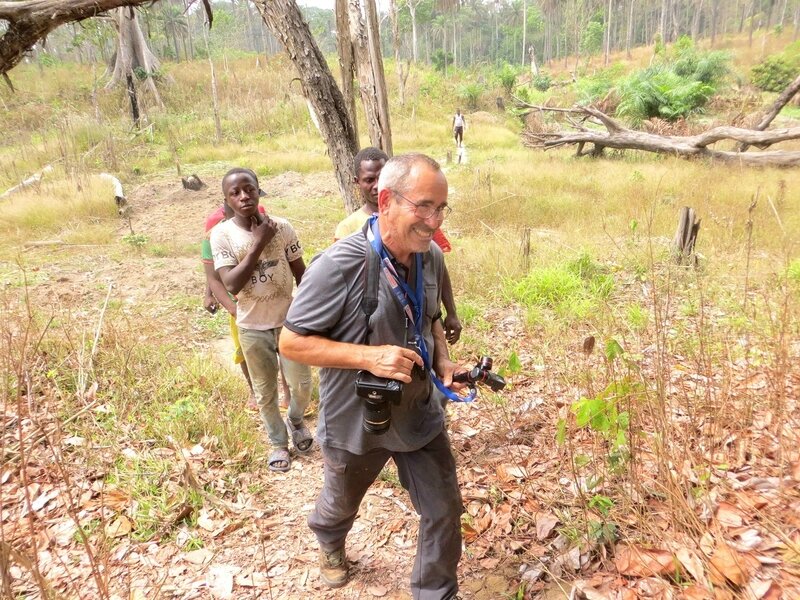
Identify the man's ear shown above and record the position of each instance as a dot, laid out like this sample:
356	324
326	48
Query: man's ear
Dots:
355	179
384	198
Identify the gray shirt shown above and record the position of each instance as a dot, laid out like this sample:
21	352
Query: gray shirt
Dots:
328	303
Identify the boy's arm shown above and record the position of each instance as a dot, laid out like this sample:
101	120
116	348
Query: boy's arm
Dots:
217	289
452	325
298	267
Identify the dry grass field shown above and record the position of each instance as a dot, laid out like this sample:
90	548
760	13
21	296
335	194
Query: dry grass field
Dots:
647	444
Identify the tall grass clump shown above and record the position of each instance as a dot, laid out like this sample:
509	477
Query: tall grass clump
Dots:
569	290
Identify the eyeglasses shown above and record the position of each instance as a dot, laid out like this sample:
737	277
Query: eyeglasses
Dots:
426	212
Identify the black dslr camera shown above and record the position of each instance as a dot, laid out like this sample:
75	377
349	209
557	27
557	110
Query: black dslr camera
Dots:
379	393
482	373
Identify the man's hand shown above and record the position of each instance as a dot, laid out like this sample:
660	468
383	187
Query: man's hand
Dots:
445	370
210	303
263	230
392	362
452	328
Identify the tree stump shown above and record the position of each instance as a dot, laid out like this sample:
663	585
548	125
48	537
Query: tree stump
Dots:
525	249
685	237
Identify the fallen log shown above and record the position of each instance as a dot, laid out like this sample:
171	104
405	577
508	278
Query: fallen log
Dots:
695	146
35	178
781	101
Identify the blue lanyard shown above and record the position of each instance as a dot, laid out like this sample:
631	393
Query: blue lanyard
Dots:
412	302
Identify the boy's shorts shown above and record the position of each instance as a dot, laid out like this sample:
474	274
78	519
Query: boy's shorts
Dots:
238	355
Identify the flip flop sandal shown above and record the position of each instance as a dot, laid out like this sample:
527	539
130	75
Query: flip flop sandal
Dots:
301	436
279	460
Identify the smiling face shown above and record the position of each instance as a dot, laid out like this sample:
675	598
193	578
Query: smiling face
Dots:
367	181
241	194
403	232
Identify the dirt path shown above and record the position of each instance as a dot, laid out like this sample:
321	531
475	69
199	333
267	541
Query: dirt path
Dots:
257	545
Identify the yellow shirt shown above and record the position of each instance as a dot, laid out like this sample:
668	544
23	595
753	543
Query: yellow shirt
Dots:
350	224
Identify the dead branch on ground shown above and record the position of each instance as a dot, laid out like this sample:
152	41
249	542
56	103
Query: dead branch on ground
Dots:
696	146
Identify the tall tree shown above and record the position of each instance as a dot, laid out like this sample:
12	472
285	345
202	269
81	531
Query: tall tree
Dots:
347	66
412	11
402	73
134	59
286	22
369	69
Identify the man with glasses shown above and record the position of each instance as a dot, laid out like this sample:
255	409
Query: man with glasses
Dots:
367	166
403	340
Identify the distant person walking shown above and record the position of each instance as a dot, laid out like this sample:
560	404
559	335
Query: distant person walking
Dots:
459	125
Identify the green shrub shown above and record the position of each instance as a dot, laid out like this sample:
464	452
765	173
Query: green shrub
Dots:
592	39
774	73
470	93
696	65
441	59
660	92
679	84
598	85
507	76
542	81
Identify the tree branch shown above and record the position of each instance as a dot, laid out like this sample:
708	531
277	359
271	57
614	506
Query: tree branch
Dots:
776	108
31	20
690	146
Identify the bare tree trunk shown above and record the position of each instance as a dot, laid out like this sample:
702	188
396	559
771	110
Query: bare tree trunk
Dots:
629	36
286	22
133	99
412	10
346	60
696	146
401	77
685	237
714	17
214	97
189	28
698	14
796	22
372	87
524	30
608	31
133	53
378	75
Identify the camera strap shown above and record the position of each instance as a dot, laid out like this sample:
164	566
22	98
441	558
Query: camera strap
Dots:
412	301
369	301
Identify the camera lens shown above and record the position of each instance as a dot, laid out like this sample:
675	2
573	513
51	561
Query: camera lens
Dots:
486	363
377	416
